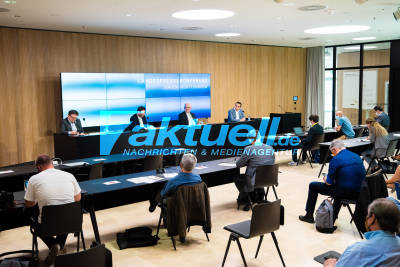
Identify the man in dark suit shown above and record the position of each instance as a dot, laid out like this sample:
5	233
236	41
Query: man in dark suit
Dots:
72	125
315	130
138	119
187	117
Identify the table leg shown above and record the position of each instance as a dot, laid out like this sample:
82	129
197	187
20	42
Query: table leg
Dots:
324	162
93	219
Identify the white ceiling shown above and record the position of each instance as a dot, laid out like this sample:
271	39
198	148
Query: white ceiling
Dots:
259	21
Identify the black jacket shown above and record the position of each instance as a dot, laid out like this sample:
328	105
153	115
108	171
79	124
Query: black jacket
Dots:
134	122
66	126
183	120
314	131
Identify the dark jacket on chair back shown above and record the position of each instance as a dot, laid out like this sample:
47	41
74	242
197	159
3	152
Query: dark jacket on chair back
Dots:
190	205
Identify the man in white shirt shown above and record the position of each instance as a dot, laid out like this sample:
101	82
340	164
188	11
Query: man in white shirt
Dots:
51	187
236	114
187	117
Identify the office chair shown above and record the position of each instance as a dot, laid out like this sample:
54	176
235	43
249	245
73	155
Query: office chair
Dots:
266	218
57	220
390	152
314	146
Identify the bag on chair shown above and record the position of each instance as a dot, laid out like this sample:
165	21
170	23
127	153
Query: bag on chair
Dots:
324	217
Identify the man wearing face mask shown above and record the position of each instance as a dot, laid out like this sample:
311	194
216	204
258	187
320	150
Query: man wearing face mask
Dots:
382	246
344	126
345	175
315	131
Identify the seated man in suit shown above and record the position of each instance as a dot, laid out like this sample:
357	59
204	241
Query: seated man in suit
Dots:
184	177
382	118
381	246
138	119
71	124
187	117
51	187
345	175
236	113
252	157
344	126
306	143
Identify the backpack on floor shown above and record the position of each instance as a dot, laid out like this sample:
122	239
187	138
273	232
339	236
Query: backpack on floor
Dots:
136	237
324	217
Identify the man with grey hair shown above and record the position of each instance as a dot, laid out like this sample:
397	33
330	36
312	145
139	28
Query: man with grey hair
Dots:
187	117
185	177
254	155
382	246
345	175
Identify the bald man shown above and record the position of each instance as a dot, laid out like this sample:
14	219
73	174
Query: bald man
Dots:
344	126
187	117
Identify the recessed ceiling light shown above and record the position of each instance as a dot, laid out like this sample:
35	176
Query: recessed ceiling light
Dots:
129	15
203	14
192	28
312	8
337	29
4	10
228	34
364	38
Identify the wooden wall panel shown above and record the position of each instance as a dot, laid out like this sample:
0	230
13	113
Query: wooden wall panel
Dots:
263	78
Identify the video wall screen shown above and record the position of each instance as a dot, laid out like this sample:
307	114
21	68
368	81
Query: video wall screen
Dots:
112	98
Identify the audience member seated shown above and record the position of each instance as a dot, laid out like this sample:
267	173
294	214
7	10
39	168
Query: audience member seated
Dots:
394	179
381	117
187	117
379	137
72	125
138	120
185	177
345	175
256	154
236	113
382	246
51	187
344	126
315	130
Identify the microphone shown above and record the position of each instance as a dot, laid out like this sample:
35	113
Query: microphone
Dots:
84	120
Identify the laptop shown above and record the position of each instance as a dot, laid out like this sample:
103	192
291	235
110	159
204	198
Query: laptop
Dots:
298	131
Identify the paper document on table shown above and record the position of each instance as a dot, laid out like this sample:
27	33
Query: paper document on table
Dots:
228	164
75	163
170	175
7	171
243	170
144	179
201	167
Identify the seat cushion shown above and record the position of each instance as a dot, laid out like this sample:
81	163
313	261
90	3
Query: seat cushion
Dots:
242	228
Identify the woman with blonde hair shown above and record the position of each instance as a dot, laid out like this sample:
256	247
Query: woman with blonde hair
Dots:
379	137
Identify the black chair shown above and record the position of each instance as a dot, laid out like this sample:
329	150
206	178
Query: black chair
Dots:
266	176
95	256
196	212
153	162
314	146
346	203
96	171
390	152
58	220
266	218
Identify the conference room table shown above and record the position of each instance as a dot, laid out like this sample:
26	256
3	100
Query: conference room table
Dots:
356	145
105	193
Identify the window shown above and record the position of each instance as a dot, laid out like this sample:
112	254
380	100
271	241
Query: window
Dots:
356	80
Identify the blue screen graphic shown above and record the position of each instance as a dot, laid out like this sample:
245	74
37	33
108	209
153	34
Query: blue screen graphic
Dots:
120	94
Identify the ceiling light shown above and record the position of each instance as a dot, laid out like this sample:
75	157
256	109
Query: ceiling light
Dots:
370	47
352	48
192	28
228	34
364	38
312	8
337	29
289	4
10	1
203	14
129	15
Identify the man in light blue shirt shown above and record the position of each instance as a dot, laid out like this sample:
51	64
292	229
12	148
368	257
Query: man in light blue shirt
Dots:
344	125
236	114
382	246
